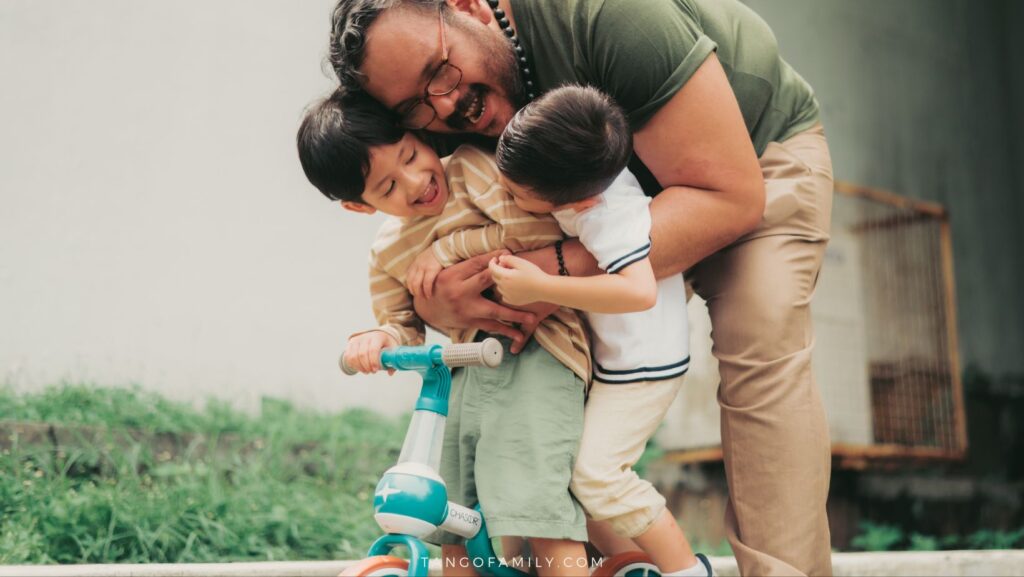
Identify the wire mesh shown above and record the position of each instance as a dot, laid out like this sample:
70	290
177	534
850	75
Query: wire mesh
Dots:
885	353
908	346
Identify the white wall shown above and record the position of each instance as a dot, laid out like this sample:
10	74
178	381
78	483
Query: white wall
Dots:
155	224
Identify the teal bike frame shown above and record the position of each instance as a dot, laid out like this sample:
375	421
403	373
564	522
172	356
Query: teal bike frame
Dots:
411	500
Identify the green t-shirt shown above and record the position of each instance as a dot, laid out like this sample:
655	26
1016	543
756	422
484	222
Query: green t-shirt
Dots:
642	52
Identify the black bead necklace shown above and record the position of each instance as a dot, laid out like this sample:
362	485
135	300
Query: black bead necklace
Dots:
524	69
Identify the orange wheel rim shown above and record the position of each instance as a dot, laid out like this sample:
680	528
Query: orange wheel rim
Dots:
616	563
373	566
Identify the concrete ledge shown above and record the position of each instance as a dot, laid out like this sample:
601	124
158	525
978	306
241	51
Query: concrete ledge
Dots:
951	563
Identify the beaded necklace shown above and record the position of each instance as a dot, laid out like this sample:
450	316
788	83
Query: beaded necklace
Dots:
524	71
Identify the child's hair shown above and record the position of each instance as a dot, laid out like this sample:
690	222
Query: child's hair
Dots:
566	146
335	138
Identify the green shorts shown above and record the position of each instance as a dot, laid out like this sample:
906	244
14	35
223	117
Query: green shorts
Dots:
510	444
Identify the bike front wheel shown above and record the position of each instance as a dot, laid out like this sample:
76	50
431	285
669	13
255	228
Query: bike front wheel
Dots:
630	564
378	566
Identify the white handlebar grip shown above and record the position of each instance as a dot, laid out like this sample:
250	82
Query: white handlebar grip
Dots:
487	353
344	367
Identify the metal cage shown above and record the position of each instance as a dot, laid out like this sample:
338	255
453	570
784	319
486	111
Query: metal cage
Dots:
886	341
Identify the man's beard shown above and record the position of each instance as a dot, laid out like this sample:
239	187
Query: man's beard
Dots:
501	65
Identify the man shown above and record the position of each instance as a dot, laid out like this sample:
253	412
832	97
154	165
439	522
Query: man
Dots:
726	135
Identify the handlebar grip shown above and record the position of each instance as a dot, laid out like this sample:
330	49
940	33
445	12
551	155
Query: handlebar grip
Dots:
487	353
344	367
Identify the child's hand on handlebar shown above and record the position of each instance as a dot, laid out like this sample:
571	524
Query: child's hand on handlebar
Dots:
363	351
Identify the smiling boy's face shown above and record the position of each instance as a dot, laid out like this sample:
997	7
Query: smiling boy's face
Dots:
406	179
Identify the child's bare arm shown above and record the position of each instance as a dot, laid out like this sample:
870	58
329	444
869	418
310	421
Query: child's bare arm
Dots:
631	289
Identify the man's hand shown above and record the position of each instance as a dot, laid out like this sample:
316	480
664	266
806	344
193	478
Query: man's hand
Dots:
540	310
457	303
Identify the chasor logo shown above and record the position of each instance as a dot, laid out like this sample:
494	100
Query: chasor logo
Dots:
386	491
464	517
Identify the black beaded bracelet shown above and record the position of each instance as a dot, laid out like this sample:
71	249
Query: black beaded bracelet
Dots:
562	271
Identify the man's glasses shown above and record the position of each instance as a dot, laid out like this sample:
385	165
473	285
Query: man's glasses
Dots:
420	113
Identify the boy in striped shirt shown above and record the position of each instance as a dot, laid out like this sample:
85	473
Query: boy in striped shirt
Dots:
512	432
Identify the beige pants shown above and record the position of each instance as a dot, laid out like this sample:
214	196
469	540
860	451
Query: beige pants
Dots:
774	431
617	422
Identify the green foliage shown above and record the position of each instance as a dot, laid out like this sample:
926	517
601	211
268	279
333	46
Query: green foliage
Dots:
919	542
877	537
989	539
882	537
287	484
652	452
722	549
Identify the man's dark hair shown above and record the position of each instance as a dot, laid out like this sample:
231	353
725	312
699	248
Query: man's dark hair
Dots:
566	146
350	21
335	138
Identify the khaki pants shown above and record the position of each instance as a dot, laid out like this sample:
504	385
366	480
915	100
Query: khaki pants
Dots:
774	432
617	422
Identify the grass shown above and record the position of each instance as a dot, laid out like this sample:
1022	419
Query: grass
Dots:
885	537
287	484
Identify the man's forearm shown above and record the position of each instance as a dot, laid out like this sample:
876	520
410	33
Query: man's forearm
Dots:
689	224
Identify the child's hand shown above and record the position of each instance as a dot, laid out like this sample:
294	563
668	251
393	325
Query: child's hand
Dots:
518	280
422	273
363	351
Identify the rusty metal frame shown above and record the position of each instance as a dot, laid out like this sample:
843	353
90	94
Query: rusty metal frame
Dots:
856	456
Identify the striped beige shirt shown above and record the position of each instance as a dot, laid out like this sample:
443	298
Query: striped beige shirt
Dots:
480	217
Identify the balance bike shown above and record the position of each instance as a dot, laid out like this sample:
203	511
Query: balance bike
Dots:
411	500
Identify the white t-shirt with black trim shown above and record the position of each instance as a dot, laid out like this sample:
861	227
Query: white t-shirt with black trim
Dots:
649	345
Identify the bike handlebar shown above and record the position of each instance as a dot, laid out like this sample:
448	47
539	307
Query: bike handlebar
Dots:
486	353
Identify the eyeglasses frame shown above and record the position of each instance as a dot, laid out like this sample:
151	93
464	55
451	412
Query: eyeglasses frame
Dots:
425	99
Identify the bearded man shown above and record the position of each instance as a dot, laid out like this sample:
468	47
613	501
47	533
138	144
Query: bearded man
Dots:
729	143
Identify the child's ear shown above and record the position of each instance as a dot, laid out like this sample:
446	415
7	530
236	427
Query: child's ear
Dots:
357	207
476	8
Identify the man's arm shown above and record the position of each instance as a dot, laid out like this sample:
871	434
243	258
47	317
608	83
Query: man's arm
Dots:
457	303
698	147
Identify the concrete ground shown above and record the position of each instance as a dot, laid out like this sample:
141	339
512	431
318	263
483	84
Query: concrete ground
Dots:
946	563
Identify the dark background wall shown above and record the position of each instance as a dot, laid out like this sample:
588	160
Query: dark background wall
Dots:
924	98
1013	33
